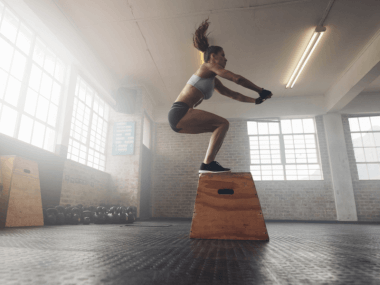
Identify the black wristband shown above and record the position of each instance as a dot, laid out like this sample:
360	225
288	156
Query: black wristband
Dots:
264	93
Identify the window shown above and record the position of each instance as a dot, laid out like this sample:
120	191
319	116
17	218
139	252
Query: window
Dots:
146	132
365	135
89	127
284	150
31	78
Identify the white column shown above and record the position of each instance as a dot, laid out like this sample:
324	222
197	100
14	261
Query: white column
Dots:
340	170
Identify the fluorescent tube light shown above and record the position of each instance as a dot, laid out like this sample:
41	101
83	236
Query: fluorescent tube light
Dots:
318	33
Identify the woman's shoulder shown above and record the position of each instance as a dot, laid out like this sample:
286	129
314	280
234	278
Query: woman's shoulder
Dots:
204	71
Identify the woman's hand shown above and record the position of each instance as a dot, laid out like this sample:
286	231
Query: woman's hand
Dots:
261	100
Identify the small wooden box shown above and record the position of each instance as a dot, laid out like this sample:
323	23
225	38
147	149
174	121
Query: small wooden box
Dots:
20	200
219	214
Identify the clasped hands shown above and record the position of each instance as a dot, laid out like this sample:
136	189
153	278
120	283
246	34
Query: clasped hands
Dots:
264	95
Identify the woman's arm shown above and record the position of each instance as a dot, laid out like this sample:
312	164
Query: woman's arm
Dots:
238	79
232	94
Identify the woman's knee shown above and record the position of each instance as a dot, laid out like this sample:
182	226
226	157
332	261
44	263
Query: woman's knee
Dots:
224	124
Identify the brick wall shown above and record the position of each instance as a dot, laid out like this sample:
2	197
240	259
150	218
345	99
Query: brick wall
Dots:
367	192
87	186
125	170
175	176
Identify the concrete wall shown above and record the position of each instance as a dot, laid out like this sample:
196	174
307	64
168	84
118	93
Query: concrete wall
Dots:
175	176
367	192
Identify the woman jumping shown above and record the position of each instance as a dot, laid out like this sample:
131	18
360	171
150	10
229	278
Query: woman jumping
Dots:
183	118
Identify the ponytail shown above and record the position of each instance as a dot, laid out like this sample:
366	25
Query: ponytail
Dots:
200	41
200	38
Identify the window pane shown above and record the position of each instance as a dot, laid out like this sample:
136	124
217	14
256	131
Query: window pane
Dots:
38	134
365	124
274	128
9	25
18	65
49	63
357	139
56	93
375	121
297	126
308	125
263	128
286	126
39	53
6	54
13	91
368	140
59	71
31	102
26	128
362	171
35	78
46	85
24	39
354	124
359	155
3	82
374	171
370	154
52	118
49	140
42	109
8	121
377	138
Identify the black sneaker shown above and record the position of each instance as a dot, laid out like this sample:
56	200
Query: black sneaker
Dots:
212	167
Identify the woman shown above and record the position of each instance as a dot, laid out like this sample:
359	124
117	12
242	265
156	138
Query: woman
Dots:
183	118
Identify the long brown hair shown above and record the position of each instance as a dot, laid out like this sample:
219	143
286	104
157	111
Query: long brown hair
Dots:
201	43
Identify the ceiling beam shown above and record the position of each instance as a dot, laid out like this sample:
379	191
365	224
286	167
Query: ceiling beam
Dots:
364	69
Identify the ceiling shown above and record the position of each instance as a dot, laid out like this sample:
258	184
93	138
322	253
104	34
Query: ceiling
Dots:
149	42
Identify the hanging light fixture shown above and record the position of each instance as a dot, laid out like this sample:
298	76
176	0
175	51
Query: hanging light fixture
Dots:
318	33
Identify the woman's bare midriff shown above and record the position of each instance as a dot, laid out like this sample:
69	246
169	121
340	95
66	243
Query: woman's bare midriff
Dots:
191	95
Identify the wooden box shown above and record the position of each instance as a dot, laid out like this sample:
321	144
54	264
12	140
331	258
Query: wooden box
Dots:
227	207
20	200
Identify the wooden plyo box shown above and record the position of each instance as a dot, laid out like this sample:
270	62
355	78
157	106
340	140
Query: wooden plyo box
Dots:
20	199
219	214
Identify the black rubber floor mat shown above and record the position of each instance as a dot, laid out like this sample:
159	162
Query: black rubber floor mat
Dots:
297	253
148	225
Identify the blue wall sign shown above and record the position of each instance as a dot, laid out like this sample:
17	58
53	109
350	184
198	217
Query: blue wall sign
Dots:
123	138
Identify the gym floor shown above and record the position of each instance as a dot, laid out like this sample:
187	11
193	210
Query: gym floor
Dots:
160	252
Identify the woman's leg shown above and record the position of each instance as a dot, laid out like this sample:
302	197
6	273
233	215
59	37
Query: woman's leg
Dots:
198	121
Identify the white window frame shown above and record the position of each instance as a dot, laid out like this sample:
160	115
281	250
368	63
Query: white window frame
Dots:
48	145
282	163
364	165
88	158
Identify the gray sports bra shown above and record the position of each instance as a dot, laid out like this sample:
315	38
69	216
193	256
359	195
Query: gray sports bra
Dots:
205	85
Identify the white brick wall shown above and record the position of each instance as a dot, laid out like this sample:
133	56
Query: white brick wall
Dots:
177	161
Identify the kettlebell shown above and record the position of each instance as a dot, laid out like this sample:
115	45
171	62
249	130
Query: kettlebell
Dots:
86	217
51	216
75	219
131	216
99	215
92	209
110	216
60	215
123	215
